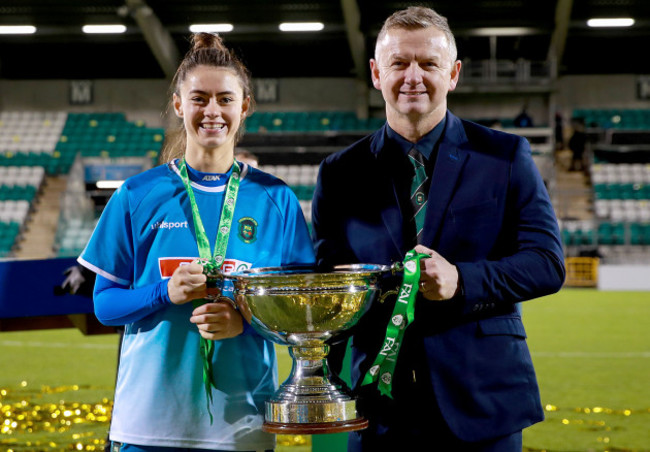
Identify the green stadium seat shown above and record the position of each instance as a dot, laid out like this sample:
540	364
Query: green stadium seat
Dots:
605	234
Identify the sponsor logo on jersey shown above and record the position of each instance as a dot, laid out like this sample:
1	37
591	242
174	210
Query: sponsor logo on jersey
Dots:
169	225
211	178
247	230
168	265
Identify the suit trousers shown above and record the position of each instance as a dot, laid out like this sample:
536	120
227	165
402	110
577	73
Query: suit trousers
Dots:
413	417
429	441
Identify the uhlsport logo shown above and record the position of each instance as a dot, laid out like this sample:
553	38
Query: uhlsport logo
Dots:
248	230
169	225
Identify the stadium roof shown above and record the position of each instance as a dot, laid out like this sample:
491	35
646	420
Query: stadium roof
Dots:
157	30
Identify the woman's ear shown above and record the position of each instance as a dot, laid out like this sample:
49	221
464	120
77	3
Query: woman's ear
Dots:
178	107
245	105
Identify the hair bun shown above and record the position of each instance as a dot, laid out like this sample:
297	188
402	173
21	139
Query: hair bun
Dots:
206	40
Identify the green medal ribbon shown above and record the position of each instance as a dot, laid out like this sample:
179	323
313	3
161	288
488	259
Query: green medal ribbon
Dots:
211	262
403	314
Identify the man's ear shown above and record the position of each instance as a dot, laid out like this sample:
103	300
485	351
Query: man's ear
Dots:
455	73
374	74
176	101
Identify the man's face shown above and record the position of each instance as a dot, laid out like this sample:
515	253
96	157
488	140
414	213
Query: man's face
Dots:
414	73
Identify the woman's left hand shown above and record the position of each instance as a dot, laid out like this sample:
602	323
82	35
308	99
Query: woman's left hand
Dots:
218	320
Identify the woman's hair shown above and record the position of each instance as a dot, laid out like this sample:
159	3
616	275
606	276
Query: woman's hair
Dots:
207	49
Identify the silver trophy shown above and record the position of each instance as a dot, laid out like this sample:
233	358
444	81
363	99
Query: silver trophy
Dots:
305	309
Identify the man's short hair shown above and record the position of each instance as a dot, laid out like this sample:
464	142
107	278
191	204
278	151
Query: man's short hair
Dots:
247	156
418	17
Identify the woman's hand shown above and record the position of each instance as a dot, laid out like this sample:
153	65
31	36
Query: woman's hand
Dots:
187	283
219	320
244	309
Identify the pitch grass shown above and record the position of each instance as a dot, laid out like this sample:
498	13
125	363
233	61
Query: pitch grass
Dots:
592	355
591	352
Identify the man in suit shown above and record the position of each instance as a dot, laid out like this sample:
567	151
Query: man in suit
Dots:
464	379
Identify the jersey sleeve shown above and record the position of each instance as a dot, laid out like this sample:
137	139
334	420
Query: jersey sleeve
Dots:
109	251
118	305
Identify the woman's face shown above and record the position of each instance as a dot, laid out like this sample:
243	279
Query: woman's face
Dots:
212	105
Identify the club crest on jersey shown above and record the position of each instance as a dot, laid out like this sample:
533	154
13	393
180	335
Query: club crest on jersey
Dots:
247	229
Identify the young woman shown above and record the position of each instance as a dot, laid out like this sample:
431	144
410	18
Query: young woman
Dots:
193	374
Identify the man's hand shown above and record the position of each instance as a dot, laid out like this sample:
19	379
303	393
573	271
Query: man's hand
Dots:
218	320
438	278
187	283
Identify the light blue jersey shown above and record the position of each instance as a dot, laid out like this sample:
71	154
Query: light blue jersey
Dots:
144	233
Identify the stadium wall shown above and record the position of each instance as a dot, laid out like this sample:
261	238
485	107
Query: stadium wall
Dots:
624	277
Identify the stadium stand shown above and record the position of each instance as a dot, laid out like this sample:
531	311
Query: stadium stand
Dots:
34	145
619	173
308	122
301	179
18	188
107	135
623	119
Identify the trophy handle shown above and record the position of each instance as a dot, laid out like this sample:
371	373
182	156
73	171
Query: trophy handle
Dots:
394	269
386	294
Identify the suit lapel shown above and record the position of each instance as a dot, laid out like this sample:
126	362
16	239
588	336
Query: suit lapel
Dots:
449	163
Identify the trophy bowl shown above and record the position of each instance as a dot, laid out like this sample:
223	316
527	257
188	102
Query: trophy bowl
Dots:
305	309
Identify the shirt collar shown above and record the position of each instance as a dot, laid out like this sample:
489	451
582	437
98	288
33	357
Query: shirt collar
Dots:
208	179
424	146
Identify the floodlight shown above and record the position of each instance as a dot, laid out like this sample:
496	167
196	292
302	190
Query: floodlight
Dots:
611	22
211	28
17	29
104	29
301	26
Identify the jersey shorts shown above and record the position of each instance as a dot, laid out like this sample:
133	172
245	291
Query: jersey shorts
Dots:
144	233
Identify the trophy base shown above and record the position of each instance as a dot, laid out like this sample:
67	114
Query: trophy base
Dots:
313	416
315	428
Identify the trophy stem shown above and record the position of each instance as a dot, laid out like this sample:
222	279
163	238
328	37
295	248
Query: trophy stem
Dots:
312	399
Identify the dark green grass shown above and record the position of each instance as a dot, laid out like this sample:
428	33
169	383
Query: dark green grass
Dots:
591	351
592	355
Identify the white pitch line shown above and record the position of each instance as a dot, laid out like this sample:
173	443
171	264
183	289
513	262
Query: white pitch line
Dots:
57	345
605	355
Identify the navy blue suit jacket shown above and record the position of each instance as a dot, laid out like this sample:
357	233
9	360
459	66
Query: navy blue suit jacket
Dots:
489	214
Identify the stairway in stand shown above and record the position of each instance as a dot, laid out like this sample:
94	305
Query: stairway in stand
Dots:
572	194
38	239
